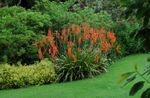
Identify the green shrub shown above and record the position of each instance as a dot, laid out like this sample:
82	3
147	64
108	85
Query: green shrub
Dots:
140	9
18	30
126	31
68	17
22	76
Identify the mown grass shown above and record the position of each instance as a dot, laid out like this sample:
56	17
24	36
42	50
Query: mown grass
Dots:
103	86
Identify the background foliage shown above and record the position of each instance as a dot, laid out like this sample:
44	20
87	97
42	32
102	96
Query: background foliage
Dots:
18	30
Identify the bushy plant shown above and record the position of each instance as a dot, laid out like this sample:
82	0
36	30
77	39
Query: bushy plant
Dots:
18	29
130	76
79	51
22	76
68	17
126	32
140	9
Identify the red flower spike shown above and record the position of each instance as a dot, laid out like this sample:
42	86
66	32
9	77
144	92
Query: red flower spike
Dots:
101	34
97	58
78	30
53	56
40	53
49	51
70	44
79	40
79	49
64	35
118	48
74	58
73	28
35	44
68	30
55	50
44	40
111	36
50	37
105	46
69	51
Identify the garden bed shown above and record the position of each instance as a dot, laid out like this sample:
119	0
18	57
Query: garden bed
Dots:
103	86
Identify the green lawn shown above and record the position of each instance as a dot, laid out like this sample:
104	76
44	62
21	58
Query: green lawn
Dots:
103	86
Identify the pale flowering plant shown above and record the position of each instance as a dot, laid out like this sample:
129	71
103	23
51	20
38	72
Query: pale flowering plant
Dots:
79	51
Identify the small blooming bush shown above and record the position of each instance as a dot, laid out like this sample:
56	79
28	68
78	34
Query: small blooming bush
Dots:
79	51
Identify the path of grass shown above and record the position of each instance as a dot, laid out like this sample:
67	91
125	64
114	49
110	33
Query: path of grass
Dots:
103	86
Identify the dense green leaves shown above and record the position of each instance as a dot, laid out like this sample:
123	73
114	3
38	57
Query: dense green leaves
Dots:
140	9
18	30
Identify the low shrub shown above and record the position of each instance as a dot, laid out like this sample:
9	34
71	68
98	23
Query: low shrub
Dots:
79	51
22	76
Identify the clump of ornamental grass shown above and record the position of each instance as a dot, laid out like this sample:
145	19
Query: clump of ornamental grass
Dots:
78	51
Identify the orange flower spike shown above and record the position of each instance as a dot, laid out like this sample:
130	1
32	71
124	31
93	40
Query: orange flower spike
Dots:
53	56
91	42
69	51
49	31
41	42
55	50
91	30
95	36
64	34
79	49
49	51
108	34
111	36
40	53
97	58
73	28
90	49
79	40
101	33
118	48
44	40
107	46
35	43
78	30
68	30
70	44
74	58
50	37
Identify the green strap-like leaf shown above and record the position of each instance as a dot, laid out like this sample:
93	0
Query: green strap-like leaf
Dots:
136	87
125	76
146	93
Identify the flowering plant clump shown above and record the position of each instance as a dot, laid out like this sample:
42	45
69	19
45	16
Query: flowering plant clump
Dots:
78	51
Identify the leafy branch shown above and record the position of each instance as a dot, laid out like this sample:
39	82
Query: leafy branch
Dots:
130	76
